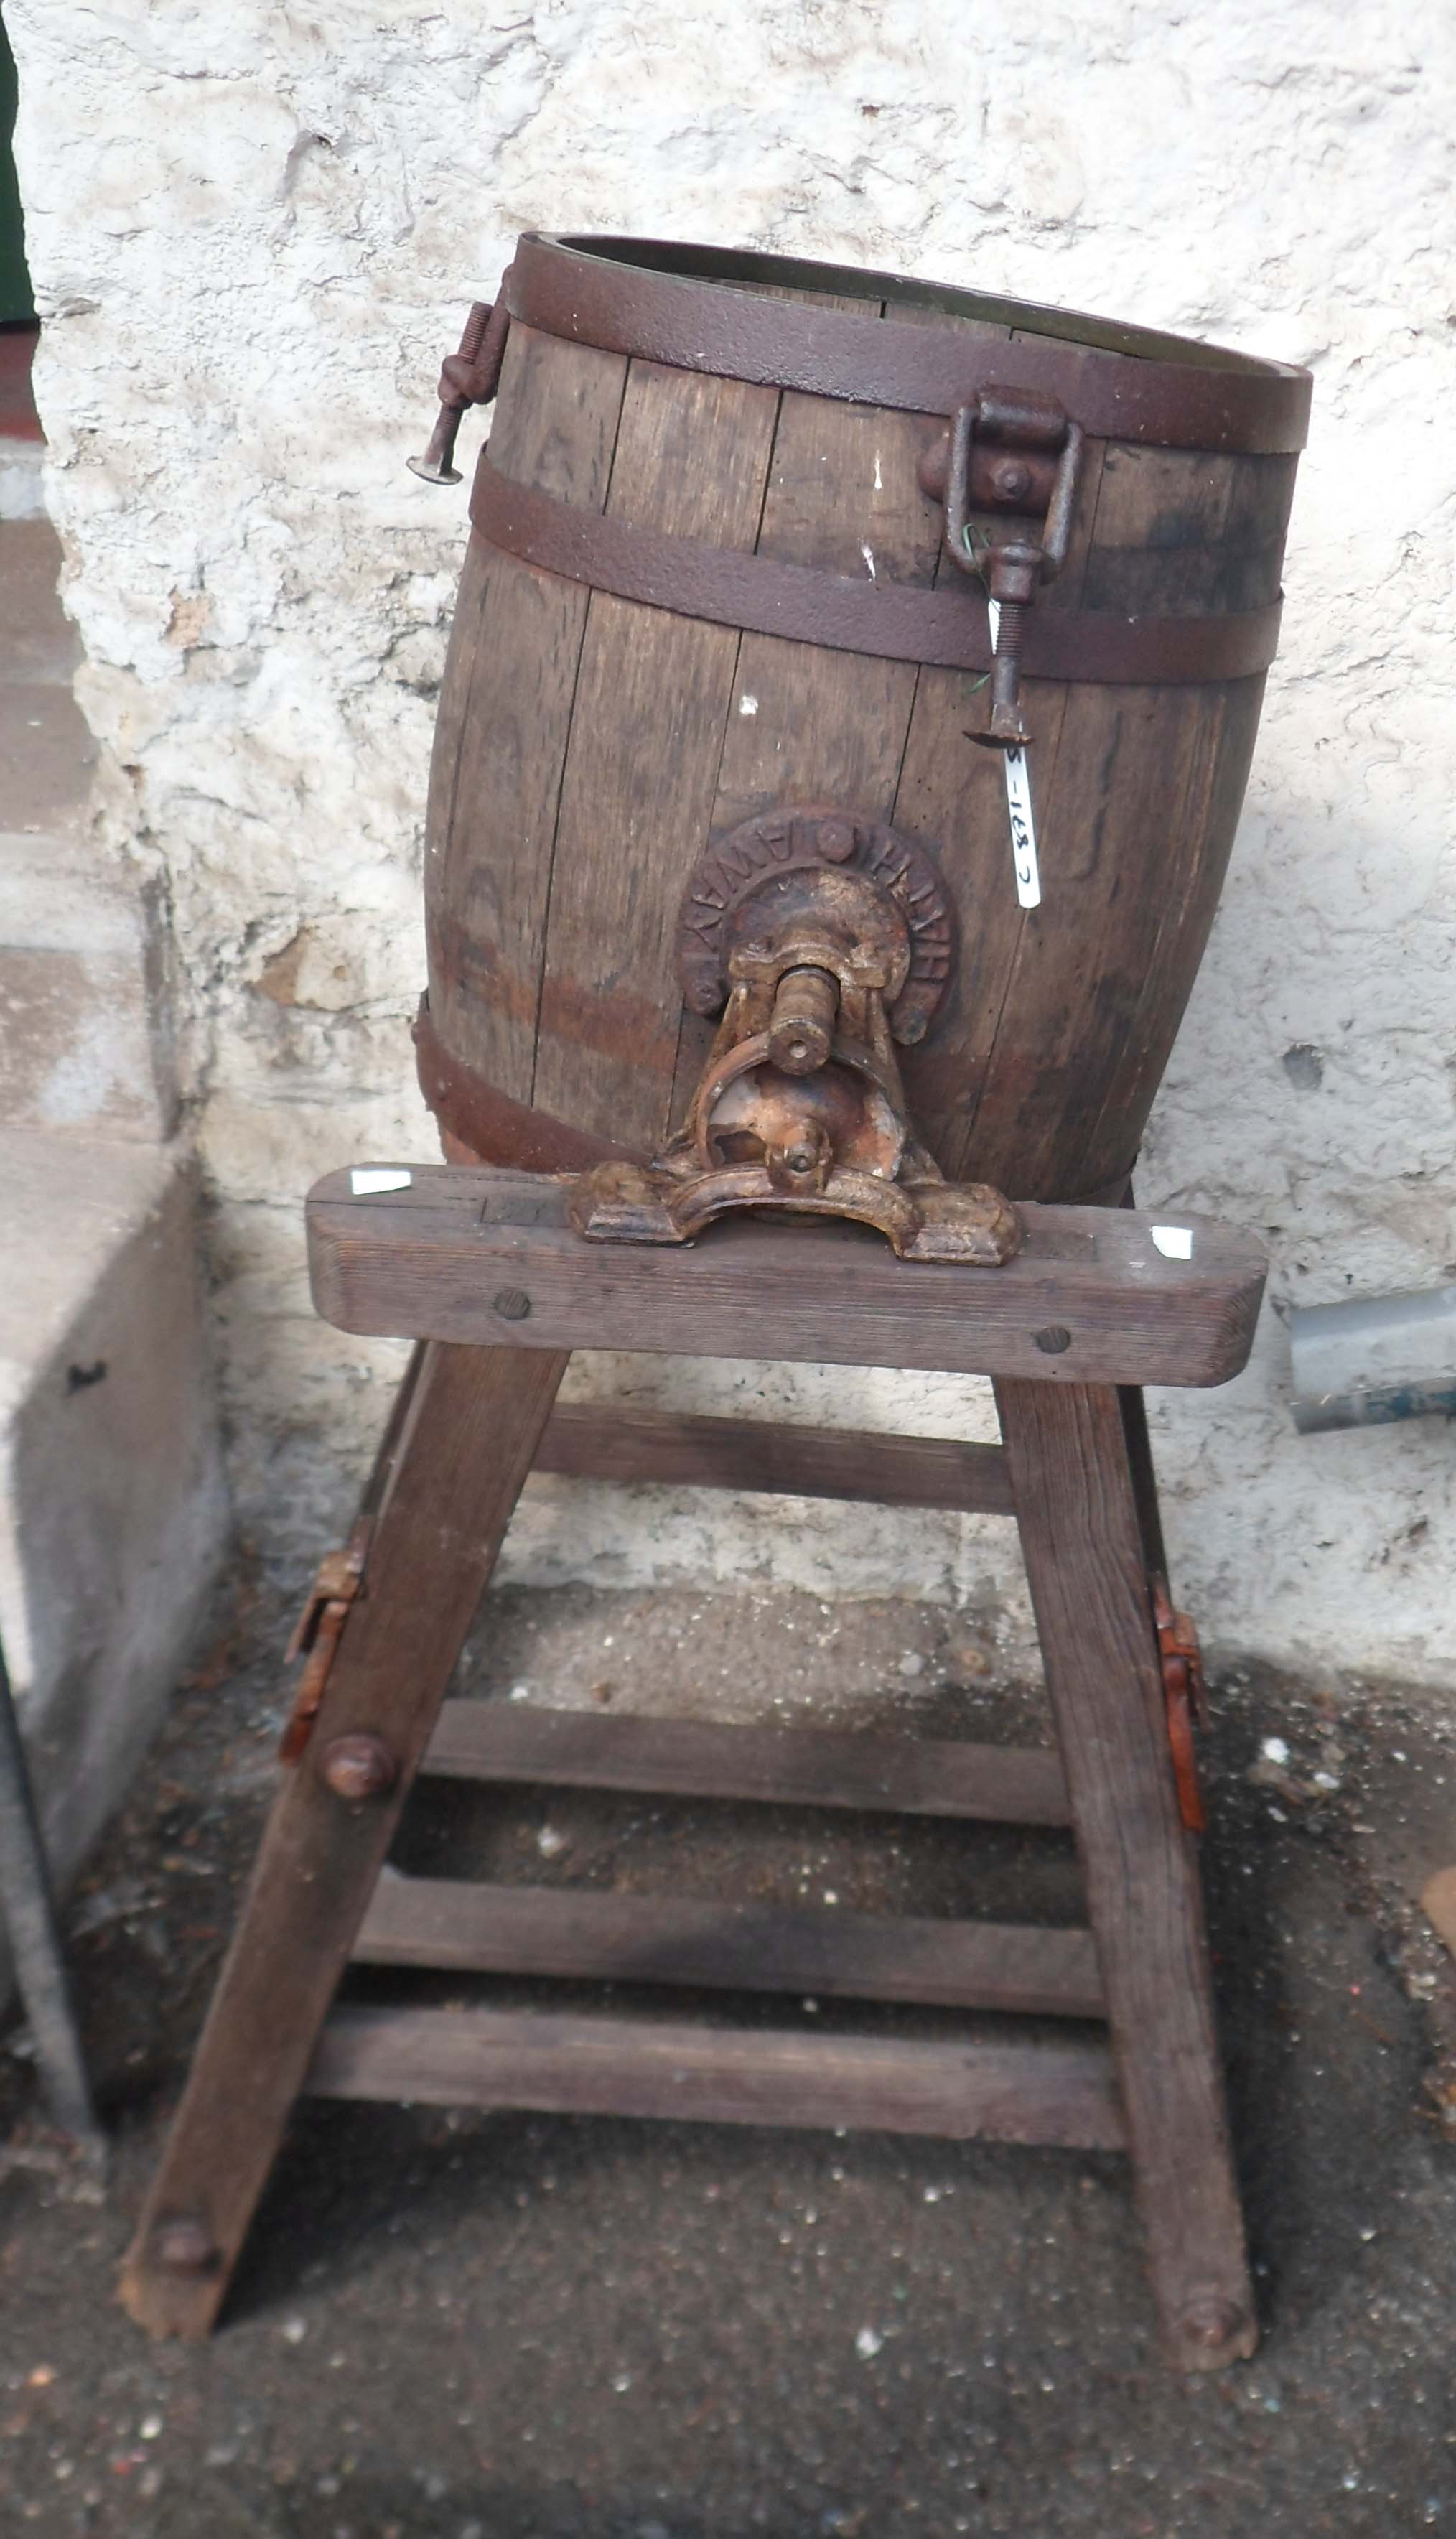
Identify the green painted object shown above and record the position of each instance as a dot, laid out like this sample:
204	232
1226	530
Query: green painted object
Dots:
16	297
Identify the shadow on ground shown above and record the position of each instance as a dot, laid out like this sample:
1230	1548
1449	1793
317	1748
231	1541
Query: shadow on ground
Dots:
516	2327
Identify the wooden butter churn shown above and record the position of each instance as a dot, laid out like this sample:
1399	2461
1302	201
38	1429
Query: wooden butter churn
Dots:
723	621
848	710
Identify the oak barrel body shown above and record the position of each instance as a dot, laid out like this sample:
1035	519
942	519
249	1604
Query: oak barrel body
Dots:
630	678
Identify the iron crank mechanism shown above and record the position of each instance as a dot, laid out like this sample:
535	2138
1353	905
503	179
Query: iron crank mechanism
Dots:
1010	449
825	940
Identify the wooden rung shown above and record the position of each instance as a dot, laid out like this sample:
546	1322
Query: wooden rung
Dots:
601	1442
486	1257
818	1767
493	2058
594	1935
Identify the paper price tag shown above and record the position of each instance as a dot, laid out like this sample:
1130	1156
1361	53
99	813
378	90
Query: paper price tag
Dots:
1019	803
1023	831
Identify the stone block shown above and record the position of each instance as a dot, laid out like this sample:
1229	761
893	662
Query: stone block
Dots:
112	1508
83	1045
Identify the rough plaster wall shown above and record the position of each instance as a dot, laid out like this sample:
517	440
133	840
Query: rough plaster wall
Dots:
254	229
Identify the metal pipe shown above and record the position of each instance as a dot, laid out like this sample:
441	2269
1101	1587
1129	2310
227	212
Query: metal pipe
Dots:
801	1028
1374	1359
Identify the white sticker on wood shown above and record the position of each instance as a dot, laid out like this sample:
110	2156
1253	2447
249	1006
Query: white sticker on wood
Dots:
366	1179
1019	803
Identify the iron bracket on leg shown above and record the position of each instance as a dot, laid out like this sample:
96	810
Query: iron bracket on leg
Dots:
316	1633
1186	1692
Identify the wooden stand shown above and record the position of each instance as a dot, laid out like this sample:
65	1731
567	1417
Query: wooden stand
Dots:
482	1266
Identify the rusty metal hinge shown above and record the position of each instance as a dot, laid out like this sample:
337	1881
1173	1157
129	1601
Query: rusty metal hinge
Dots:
1186	1694
318	1631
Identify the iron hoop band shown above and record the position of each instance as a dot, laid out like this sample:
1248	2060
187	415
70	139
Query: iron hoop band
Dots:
704	309
944	629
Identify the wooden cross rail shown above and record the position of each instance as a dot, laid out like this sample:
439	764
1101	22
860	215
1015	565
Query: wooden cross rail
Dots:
488	1257
1038	2093
805	1768
597	1442
482	1269
602	1938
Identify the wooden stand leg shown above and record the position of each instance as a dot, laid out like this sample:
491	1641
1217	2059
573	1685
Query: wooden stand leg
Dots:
1144	1480
1082	1537
467	1442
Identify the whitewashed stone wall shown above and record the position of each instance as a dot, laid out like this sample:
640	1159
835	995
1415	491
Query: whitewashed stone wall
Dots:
253	229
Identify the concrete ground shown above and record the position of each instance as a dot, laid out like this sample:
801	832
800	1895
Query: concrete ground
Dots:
520	2327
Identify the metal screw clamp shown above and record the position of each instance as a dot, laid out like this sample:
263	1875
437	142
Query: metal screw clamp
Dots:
469	377
1013	570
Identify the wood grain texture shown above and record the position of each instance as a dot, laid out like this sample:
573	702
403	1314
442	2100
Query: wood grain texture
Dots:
606	1442
1198	527
652	701
1144	1478
1041	2093
506	717
1218	751
430	1261
461	659
1083	1549
808	725
596	1937
813	1767
1124	823
472	1429
953	792
1042	1077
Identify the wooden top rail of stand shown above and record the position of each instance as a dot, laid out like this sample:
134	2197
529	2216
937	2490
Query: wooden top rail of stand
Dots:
487	1256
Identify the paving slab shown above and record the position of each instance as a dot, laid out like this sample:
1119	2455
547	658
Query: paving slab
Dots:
48	754
41	643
